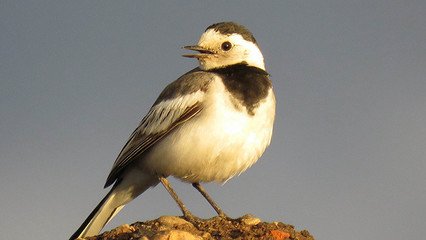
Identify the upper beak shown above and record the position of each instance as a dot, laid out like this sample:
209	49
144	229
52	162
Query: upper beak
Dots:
203	52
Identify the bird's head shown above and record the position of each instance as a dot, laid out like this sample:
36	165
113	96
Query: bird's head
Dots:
224	44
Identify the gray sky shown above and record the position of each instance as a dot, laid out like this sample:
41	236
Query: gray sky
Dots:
348	156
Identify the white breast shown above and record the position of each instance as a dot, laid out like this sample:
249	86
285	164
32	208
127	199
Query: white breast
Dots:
216	145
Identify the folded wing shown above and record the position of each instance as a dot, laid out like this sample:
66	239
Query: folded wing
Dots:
166	114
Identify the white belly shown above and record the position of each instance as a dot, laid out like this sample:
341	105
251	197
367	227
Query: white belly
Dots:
217	144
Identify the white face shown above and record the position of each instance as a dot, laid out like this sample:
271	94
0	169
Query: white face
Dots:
240	50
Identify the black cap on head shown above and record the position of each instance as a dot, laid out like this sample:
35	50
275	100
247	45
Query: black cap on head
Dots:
229	28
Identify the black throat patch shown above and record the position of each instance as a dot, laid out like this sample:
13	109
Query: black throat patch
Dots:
249	85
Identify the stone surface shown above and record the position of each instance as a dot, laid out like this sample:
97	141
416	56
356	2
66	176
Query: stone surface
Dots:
175	235
249	219
177	228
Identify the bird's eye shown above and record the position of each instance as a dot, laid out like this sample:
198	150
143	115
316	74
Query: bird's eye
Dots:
226	46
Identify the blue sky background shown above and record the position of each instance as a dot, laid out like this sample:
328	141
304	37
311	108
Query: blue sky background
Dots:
348	157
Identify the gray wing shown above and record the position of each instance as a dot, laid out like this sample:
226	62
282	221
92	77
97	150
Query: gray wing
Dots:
177	104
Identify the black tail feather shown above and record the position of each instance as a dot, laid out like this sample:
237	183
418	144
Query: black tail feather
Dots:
89	218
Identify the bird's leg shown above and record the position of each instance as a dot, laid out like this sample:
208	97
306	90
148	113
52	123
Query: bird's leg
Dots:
203	192
186	213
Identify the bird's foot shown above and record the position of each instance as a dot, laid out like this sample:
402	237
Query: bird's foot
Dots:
223	216
194	220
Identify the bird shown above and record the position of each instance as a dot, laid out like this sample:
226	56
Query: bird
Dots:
209	125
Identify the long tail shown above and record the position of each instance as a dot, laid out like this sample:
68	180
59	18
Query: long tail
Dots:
98	218
121	193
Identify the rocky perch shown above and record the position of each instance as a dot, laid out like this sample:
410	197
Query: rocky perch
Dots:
177	228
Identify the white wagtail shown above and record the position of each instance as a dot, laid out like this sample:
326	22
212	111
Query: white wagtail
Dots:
211	124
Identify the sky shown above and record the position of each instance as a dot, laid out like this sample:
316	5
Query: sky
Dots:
348	154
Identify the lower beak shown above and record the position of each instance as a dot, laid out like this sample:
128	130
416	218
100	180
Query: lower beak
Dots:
203	52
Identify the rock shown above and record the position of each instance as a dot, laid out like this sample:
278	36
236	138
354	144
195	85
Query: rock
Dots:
249	219
176	235
177	228
279	235
171	221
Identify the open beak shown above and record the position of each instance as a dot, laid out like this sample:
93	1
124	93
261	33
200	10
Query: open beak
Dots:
202	52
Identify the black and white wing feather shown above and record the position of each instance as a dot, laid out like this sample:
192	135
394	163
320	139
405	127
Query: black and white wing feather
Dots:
179	102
